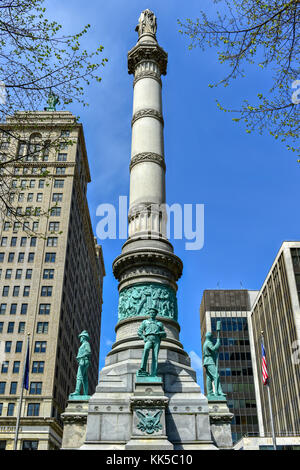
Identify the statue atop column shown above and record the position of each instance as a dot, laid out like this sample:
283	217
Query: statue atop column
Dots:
83	359
147	23
151	331
210	362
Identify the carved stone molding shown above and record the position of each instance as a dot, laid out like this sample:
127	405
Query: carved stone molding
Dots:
158	402
148	112
146	258
147	157
72	419
218	418
147	74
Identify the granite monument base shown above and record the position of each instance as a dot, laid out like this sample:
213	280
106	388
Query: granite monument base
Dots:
220	419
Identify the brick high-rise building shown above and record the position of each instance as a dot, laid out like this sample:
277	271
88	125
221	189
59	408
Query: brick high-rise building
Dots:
51	273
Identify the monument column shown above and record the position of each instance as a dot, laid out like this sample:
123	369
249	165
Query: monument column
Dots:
123	411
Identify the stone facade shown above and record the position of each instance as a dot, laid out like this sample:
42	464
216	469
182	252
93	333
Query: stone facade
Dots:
57	267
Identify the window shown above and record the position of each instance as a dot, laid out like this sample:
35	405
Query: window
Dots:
52	241
2	388
33	409
5	291
30	257
13	388
30	445
13	309
16	291
48	274
8	274
21	257
38	367
6	226
28	274
62	157
50	257
65	133
44	309
3	309
35	388
19	345
57	197
16	367
30	197
17	225
26	291
58	183
1	409
42	327
10	409
24	308
13	241
1	257
7	346
32	184
60	171
18	274
39	197
10	327
33	241
55	211
46	291
40	346
4	241
4	367
11	257
1	326
53	226
35	226
21	328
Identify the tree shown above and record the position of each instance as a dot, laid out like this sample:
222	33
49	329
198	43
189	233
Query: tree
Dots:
265	33
36	63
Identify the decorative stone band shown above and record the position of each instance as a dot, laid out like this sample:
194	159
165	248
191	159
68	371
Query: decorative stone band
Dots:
156	402
149	257
148	112
145	51
225	418
74	418
147	74
135	301
147	157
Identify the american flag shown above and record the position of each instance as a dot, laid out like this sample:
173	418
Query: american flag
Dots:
264	369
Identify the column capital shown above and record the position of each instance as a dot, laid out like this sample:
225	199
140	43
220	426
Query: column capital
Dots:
147	51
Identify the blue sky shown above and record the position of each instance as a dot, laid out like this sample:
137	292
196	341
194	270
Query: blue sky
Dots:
249	184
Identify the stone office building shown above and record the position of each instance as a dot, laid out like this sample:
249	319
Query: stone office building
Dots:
51	272
232	308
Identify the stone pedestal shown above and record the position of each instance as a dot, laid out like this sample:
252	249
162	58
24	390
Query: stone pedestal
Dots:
148	405
74	419
220	419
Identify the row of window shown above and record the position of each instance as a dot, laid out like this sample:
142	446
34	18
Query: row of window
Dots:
39	346
34	211
31	184
238	388
44	309
236	372
35	388
47	273
53	226
33	409
41	327
241	403
234	342
11	327
235	356
26	445
51	241
230	324
46	291
37	367
21	257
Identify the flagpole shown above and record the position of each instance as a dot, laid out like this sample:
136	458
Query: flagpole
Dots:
21	397
270	403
